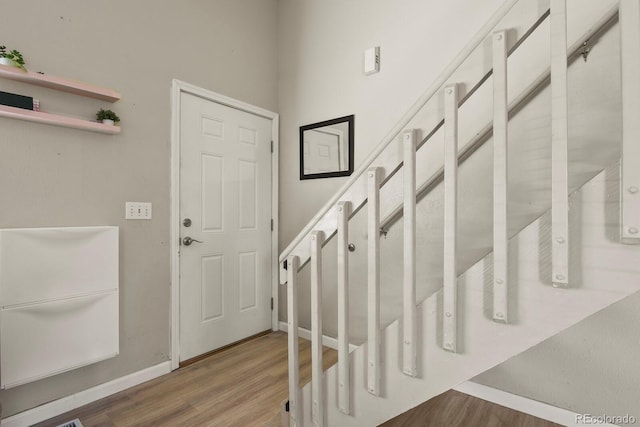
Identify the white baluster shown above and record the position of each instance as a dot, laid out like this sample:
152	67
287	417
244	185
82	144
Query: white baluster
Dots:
630	57
317	386
500	179
344	384
293	264
410	330
373	281
450	276
559	145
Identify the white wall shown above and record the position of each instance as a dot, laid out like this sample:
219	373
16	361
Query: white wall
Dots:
52	176
321	46
591	368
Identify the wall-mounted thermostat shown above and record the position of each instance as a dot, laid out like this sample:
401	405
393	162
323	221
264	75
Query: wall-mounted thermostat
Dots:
372	60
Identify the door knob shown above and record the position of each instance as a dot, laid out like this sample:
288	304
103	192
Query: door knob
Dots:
187	241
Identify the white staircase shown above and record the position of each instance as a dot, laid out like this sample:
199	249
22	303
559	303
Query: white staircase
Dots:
560	247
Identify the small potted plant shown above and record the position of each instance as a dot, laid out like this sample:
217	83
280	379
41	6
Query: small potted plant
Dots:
12	58
107	117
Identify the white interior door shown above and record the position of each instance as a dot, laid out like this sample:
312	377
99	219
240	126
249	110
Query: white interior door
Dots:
225	193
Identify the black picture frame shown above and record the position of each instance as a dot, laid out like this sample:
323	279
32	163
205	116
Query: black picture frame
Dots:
350	121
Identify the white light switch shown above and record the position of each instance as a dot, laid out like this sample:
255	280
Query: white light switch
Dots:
372	60
137	210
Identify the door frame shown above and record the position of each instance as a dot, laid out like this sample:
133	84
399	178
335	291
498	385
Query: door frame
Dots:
177	88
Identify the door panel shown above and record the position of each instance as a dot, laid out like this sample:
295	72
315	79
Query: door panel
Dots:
212	283
247	177
248	280
212	203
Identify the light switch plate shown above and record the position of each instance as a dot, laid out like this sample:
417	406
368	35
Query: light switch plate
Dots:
372	60
137	210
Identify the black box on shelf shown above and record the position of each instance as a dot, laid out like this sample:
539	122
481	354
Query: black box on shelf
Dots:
18	101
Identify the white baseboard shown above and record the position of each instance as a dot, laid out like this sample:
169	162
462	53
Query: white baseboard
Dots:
65	404
306	334
522	404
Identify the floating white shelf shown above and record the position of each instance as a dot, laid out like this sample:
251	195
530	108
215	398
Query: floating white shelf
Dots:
58	83
53	119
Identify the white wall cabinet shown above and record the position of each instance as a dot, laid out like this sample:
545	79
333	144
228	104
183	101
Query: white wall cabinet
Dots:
58	300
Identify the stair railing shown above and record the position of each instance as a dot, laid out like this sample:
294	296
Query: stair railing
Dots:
559	145
630	44
295	255
500	174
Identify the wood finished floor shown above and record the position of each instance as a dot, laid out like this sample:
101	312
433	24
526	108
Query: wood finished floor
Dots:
245	385
241	386
455	409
